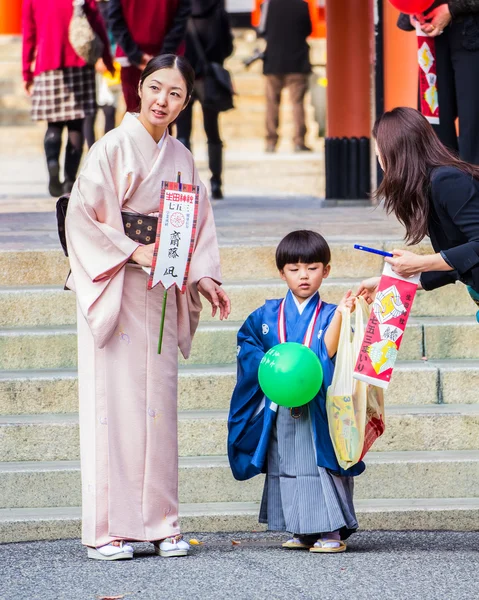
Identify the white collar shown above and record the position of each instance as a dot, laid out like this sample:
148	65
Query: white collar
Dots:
160	143
301	305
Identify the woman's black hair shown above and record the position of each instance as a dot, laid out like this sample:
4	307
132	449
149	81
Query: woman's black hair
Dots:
171	61
303	246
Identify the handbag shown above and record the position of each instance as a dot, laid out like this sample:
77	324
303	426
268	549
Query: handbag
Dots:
83	39
355	409
218	90
139	228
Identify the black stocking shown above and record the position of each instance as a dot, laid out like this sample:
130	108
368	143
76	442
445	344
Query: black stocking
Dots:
52	144
109	112
73	152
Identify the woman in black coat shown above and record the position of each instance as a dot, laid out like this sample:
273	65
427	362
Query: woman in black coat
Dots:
432	193
209	23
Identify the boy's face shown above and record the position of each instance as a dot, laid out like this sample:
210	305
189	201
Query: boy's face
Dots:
304	279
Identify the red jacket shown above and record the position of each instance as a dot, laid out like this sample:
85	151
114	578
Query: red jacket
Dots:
45	36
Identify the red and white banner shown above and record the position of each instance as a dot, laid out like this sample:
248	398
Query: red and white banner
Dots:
426	58
175	235
385	328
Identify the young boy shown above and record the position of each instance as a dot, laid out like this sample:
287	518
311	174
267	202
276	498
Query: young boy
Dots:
306	493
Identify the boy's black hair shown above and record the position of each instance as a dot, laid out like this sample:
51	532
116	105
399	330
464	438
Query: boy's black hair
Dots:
303	246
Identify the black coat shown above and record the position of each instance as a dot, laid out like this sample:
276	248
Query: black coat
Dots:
454	227
288	24
213	30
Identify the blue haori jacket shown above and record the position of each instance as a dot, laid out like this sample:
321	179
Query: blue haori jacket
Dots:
251	416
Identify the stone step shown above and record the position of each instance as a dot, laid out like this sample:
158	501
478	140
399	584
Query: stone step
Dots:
450	514
53	348
50	306
210	387
208	479
215	343
15	117
50	437
253	262
12	99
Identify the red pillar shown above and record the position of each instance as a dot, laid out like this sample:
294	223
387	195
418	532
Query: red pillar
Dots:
349	29
348	69
10	17
400	62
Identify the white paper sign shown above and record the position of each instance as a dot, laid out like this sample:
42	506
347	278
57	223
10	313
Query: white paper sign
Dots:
175	235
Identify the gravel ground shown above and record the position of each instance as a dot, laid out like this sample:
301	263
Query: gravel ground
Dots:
377	565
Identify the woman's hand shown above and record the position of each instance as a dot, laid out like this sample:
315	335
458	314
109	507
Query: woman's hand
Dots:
216	296
28	87
143	255
145	59
347	301
367	289
405	263
100	66
436	21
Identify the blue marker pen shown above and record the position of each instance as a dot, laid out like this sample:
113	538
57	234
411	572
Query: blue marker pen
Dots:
373	250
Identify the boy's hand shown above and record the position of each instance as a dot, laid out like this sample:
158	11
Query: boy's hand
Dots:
347	301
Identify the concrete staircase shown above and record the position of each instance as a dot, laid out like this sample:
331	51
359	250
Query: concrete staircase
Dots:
422	474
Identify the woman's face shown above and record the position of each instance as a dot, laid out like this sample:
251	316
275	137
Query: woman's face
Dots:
163	96
378	154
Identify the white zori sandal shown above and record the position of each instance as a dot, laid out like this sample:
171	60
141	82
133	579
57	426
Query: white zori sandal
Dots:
113	551
172	546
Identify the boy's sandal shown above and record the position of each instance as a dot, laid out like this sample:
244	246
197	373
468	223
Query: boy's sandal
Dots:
296	544
111	551
326	546
172	546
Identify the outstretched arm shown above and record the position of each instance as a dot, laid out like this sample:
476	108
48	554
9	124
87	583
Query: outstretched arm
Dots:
331	337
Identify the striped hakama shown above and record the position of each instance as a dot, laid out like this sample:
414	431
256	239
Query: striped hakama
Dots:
298	496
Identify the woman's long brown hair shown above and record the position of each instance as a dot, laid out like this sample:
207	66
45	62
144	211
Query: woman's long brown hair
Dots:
409	149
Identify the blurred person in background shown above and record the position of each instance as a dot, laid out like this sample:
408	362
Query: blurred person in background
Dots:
455	26
210	24
108	87
143	29
60	83
287	24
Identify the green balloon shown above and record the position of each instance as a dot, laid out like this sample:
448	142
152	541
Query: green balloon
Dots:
290	374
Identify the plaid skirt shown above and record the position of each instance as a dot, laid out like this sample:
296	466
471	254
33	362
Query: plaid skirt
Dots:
64	94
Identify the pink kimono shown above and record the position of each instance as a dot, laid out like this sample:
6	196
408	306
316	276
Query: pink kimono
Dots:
128	393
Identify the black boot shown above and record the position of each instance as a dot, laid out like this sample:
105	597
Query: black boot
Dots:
52	144
215	160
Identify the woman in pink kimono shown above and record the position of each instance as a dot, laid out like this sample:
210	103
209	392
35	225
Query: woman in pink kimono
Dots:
128	392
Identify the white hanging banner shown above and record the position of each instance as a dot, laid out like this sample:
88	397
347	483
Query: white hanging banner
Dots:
175	235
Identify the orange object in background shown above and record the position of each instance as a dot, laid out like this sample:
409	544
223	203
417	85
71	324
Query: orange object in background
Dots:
10	17
348	69
400	62
317	15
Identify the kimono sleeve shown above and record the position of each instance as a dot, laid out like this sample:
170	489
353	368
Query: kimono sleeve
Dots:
94	231
246	419
98	248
